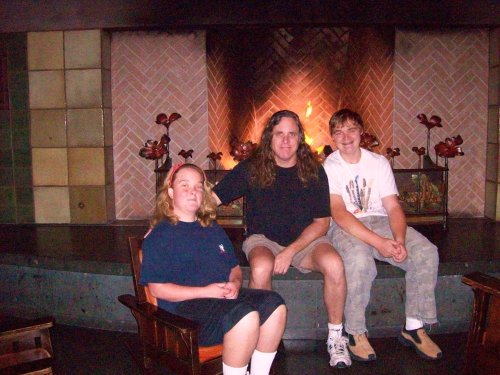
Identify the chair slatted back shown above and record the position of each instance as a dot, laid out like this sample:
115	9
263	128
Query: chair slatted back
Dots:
141	292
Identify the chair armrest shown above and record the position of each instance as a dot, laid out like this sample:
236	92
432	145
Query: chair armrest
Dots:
17	326
483	282
159	315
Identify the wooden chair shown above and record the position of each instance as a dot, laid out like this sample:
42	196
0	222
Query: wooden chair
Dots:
25	346
166	339
483	343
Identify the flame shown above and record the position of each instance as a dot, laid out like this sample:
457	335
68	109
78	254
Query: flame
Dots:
319	150
308	139
309	109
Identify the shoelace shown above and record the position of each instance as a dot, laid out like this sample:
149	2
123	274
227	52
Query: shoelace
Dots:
339	346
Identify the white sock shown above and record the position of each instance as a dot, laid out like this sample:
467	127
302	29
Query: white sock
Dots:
261	362
412	323
228	370
335	330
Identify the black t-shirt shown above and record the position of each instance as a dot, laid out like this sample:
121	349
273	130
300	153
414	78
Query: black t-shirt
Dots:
282	211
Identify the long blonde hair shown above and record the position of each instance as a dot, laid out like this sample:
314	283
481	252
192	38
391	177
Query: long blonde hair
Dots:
164	209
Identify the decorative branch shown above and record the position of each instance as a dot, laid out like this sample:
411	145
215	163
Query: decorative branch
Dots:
434	121
392	153
239	150
450	147
368	141
420	152
186	154
163	119
213	158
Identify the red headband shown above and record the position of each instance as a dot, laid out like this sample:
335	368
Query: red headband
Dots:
173	171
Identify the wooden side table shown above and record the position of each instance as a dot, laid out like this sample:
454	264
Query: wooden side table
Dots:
483	342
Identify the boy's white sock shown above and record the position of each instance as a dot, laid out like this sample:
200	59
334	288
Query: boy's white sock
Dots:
412	323
335	330
261	362
228	370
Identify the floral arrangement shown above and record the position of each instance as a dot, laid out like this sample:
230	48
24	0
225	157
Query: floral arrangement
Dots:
368	141
449	148
241	150
159	151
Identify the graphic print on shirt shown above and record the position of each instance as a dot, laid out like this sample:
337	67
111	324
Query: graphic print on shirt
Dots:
359	194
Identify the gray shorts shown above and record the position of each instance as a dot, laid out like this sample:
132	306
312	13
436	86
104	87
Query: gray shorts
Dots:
260	240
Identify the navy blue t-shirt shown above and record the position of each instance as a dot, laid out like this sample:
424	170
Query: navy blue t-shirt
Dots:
186	254
282	211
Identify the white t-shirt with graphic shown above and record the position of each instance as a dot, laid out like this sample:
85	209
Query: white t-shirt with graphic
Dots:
361	185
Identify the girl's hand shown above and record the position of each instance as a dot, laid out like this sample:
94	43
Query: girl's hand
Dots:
232	290
216	290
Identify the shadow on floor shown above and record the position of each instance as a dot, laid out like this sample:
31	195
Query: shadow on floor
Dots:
96	352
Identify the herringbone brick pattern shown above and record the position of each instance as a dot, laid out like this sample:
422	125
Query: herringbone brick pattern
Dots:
444	74
266	71
248	75
368	87
154	73
219	96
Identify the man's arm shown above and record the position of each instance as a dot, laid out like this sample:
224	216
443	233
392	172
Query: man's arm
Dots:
316	229
397	218
349	223
397	222
217	200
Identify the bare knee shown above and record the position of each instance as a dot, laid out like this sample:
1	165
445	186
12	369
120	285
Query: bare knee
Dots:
250	322
261	268
280	315
329	263
247	325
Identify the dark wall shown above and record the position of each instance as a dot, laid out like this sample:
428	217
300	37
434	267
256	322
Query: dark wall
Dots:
39	15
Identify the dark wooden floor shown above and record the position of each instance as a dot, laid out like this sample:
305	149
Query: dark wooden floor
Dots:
94	352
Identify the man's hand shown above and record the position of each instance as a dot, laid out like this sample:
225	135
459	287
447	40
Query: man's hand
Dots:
387	247
282	262
401	253
392	249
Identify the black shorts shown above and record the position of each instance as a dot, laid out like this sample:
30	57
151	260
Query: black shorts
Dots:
218	316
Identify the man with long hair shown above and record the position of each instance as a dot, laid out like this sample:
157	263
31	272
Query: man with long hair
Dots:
288	216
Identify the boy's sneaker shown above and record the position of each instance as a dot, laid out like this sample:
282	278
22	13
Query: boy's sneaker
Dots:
339	354
418	338
360	348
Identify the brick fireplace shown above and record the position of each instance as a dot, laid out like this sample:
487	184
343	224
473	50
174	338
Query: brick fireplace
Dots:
228	82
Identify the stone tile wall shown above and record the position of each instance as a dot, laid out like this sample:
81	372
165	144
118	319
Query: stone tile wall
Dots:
71	136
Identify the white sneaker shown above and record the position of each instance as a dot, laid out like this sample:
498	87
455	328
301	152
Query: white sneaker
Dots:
339	354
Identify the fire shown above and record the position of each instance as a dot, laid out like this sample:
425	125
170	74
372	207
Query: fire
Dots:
308	140
309	109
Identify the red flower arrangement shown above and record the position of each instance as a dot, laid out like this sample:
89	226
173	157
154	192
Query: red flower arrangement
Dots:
450	147
239	150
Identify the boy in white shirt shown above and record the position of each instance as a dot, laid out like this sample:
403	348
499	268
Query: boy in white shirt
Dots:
370	224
